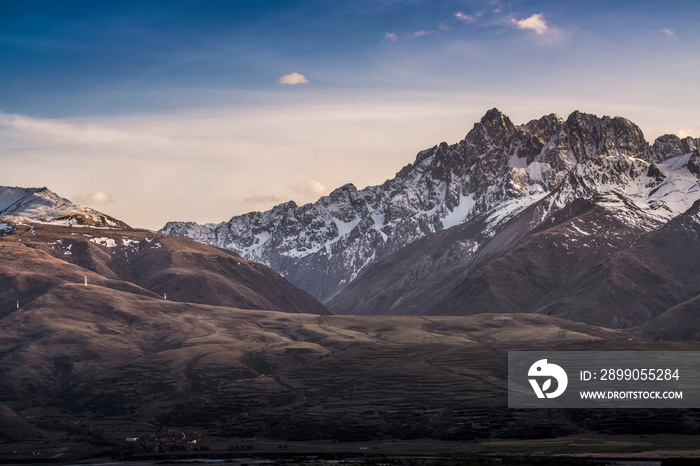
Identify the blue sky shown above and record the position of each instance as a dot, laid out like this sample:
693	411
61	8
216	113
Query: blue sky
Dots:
199	110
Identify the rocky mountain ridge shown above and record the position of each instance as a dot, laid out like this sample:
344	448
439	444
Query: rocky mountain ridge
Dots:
497	171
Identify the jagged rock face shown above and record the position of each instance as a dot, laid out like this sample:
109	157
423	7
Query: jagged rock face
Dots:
694	163
670	145
498	170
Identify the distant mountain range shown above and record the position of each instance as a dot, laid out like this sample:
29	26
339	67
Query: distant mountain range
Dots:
554	216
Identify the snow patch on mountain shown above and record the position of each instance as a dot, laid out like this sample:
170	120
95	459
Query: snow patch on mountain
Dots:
460	212
106	242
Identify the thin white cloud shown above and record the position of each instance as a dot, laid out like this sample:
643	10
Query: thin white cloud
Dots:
312	188
60	132
293	78
444	27
465	17
420	33
264	199
668	32
535	23
391	37
97	198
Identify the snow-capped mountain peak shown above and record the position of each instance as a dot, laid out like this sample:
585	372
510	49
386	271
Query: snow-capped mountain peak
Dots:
498	170
44	206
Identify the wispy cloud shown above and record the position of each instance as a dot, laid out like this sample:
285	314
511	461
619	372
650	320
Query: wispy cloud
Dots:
98	198
293	78
668	32
312	188
535	23
420	33
391	36
264	199
465	17
497	7
59	132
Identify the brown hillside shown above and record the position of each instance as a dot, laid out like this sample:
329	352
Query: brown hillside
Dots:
35	259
